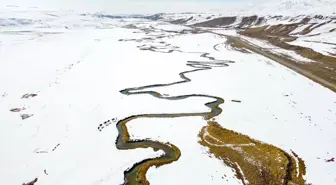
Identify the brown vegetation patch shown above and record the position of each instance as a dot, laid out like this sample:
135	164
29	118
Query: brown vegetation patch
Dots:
317	71
305	20
247	21
141	173
260	20
222	21
302	165
253	161
311	27
307	53
278	35
332	54
323	68
227	21
237	46
274	31
277	17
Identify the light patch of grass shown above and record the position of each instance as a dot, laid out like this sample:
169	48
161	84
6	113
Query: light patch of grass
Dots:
260	163
160	161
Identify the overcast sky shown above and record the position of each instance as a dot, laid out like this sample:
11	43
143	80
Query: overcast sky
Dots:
125	6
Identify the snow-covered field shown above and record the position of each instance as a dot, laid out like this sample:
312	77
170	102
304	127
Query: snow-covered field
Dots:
76	66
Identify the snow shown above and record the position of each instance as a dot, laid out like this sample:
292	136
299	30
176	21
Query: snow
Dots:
290	54
320	39
323	48
277	50
299	29
194	166
77	73
72	101
59	114
324	29
225	31
172	27
292	7
278	107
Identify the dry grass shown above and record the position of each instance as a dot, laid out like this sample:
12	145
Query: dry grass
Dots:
306	52
324	67
260	163
142	171
222	21
268	32
311	27
236	46
278	35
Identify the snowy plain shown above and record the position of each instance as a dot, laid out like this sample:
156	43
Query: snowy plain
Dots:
278	107
76	65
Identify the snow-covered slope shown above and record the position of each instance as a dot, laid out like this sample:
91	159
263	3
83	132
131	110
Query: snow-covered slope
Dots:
311	29
293	7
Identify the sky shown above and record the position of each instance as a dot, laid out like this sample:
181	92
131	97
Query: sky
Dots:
229	7
127	6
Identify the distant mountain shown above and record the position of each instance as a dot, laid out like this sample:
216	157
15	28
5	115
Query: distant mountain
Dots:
300	4
286	7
